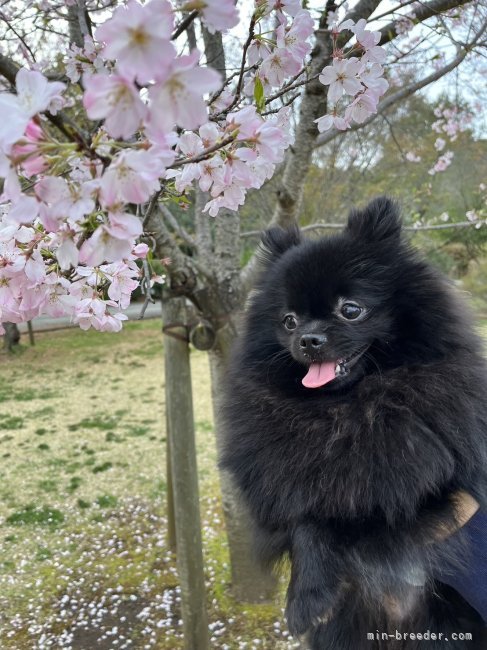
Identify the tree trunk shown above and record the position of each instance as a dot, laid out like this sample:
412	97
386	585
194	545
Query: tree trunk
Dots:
11	337
250	582
182	449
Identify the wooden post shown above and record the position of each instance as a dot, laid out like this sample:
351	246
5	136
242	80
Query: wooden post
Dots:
182	449
31	332
171	515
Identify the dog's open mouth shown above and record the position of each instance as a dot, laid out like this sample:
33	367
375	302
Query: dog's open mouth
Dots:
322	373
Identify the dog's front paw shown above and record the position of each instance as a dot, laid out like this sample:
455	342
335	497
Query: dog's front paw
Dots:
308	607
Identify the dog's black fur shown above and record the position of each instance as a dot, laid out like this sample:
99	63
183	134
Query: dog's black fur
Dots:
354	480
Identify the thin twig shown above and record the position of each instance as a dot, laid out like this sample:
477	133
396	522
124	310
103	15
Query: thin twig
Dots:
246	46
184	24
291	86
286	103
19	36
150	208
204	154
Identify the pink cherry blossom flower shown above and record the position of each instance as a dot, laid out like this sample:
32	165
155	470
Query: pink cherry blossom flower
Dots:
124	225
326	122
258	50
102	246
341	76
190	144
35	269
62	200
177	96
137	37
12	259
140	251
122	282
131	177
90	312
11	187
184	177
67	253
365	37
295	38
113	322
32	300
373	79
223	101
209	134
24	209
34	94
218	15
278	66
362	107
291	7
246	121
440	144
26	151
442	163
412	157
210	171
57	300
117	101
232	198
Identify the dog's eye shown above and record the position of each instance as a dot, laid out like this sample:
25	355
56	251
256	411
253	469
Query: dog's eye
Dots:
290	322
350	310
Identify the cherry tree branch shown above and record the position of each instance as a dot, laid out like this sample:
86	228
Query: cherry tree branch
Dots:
176	226
422	12
339	226
394	10
183	25
407	91
165	246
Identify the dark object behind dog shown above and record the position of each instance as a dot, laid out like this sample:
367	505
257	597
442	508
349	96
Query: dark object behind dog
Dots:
355	410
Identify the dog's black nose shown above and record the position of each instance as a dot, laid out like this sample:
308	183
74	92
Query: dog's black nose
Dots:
312	342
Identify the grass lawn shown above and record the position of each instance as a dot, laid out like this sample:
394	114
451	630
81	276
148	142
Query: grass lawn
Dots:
84	562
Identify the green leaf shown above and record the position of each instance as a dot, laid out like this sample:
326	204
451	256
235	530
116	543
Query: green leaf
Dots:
259	94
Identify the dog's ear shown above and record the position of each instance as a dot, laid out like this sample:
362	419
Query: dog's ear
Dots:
379	221
276	241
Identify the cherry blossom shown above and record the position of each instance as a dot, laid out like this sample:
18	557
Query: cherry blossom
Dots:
218	15
362	107
27	152
117	101
131	177
442	163
342	78
412	157
72	211
295	38
137	36
34	94
177	97
278	66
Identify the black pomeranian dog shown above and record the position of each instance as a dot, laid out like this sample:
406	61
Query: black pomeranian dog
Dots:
355	413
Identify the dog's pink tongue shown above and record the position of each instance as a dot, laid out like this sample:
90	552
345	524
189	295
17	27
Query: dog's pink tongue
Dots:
319	374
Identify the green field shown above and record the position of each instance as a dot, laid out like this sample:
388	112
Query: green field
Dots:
84	562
